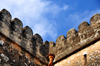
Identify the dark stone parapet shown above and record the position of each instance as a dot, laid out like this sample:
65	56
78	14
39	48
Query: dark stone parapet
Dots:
38	38
27	33
5	16
14	30
5	21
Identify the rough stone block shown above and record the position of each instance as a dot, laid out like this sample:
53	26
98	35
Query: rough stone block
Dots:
16	25
5	20
27	32
38	38
34	44
89	56
44	49
16	30
52	47
60	42
51	44
26	39
41	50
5	16
91	34
46	44
83	26
71	32
4	29
11	54
94	19
71	36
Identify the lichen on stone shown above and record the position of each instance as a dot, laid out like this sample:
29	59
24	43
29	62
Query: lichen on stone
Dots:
4	57
1	42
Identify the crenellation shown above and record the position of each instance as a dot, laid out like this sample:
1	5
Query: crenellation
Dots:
94	18
60	38
38	38
5	16
22	36
16	25
44	49
4	29
52	47
71	32
16	30
46	43
41	49
15	55
33	44
71	37
26	38
51	44
27	33
83	26
77	40
5	21
60	42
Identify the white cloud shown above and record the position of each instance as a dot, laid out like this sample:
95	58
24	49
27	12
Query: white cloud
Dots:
78	18
65	7
34	14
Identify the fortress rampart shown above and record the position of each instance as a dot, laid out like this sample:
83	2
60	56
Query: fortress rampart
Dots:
12	34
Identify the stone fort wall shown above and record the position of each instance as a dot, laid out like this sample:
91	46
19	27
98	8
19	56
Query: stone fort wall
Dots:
25	44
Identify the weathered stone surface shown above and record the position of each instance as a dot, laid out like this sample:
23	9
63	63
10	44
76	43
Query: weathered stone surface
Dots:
5	20
16	25
40	48
5	64
95	18
5	16
86	37
1	42
51	44
11	54
19	42
38	38
26	39
60	40
46	43
52	48
27	32
77	40
89	56
16	30
44	49
83	26
22	36
71	32
71	37
4	29
60	44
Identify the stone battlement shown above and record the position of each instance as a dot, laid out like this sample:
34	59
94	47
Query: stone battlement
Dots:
64	46
14	30
75	40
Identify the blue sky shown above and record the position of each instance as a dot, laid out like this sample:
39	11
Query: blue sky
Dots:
51	18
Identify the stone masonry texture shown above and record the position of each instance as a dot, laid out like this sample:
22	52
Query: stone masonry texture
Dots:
20	47
85	57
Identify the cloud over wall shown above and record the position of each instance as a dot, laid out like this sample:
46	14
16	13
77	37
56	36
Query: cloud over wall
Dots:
36	14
